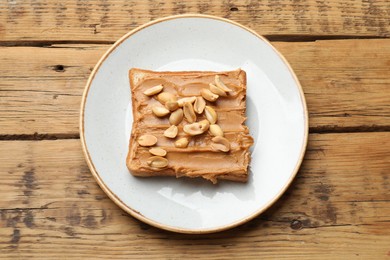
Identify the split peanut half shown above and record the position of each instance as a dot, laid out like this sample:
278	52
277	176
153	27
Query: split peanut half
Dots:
208	95
147	140
153	90
182	143
160	111
164	97
184	100
171	132
189	112
195	128
217	90
199	105
220	144
176	117
216	130
172	105
211	115
221	85
158	151
157	162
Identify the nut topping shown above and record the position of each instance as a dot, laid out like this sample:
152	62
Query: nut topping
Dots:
160	111
217	90
153	90
147	140
171	132
157	151
182	143
186	107
221	85
172	105
189	112
199	105
220	144
157	162
208	95
164	97
216	130
182	101
176	117
194	129
211	115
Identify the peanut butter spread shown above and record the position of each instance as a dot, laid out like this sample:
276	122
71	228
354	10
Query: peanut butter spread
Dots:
202	151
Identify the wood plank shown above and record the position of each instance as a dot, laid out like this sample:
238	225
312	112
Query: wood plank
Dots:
102	20
346	83
41	88
337	207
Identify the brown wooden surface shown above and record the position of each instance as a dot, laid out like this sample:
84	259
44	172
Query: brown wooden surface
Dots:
346	84
339	199
103	20
337	207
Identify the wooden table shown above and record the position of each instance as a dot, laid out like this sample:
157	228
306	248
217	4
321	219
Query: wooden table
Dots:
337	207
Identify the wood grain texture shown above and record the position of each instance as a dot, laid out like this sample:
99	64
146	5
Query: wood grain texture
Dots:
42	85
102	20
346	84
337	207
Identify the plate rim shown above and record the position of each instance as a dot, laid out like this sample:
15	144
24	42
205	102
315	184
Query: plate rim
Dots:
138	215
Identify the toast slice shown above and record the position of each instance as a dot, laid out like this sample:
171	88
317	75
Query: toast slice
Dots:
205	155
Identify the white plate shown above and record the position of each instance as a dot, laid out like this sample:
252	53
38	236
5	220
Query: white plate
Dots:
277	119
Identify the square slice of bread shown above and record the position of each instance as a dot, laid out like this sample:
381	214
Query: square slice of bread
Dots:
205	155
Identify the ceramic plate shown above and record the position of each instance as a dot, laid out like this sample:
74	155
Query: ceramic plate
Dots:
276	111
